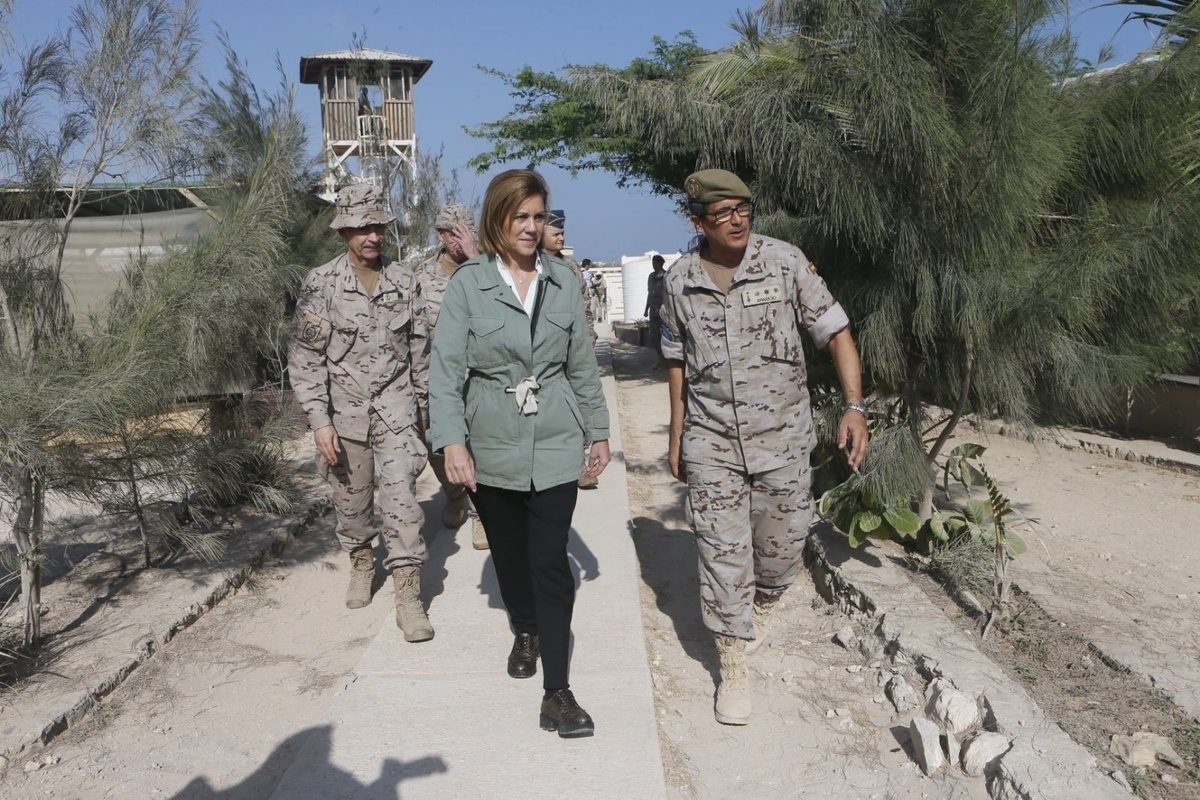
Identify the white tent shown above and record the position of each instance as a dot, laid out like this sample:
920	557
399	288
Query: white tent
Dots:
635	270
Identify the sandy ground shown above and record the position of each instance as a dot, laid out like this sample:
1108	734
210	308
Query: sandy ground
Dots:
225	698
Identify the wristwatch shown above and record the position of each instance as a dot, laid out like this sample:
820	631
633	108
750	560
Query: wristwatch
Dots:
859	407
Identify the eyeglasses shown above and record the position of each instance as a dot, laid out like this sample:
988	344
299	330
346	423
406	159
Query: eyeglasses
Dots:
743	210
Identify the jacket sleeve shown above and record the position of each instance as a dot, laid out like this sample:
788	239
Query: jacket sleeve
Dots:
448	368
307	342
584	377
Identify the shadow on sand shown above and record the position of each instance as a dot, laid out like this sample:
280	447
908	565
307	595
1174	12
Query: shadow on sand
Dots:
321	779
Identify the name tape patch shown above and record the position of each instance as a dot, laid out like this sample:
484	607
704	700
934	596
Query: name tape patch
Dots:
757	295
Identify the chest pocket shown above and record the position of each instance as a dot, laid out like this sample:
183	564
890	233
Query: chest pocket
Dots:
555	338
698	353
399	328
485	341
341	341
782	340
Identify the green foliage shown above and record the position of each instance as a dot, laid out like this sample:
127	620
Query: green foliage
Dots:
554	122
192	322
1009	238
233	469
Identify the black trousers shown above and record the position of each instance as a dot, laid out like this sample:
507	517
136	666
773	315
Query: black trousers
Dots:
527	533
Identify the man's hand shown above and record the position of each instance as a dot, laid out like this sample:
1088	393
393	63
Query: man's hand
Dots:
459	466
674	461
598	458
852	437
328	445
466	240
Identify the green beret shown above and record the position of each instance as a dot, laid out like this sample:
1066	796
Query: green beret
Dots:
710	185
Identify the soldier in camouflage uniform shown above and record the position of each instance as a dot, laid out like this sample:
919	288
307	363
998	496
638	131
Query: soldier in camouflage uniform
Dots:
741	430
456	232
553	234
357	360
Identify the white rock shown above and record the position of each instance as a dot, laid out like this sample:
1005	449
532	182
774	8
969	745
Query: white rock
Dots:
854	669
1144	749
1169	778
846	637
950	708
951	747
1120	778
33	766
901	694
926	744
981	750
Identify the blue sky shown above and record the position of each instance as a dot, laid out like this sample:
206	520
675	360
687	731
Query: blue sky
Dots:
603	222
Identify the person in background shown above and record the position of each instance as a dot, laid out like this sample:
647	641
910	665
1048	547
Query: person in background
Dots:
357	364
553	234
456	233
600	296
741	430
515	392
654	300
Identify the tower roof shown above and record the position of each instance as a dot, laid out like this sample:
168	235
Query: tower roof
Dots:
310	66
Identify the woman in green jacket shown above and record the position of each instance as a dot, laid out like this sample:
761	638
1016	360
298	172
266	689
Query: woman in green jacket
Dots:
514	394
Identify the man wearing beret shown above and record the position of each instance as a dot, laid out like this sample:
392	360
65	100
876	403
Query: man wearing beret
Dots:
553	233
455	228
357	358
741	429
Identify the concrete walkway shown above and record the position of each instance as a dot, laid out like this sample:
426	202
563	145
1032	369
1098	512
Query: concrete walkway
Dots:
443	719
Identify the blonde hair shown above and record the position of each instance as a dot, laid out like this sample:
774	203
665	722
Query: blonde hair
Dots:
504	194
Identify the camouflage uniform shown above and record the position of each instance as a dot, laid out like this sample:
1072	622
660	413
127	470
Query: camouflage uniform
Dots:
584	294
747	428
359	363
433	278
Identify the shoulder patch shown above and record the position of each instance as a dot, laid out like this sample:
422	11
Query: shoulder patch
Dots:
313	329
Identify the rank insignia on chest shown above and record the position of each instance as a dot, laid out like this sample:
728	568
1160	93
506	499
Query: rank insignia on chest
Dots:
394	296
757	295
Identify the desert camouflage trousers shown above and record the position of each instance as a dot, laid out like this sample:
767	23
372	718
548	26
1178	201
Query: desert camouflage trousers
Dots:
750	532
391	461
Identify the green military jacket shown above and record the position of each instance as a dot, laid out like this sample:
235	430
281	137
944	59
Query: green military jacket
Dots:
485	349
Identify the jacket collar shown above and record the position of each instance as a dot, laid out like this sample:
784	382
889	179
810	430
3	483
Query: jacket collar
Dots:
347	282
753	267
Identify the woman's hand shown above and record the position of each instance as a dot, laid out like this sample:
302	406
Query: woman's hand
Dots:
597	460
460	467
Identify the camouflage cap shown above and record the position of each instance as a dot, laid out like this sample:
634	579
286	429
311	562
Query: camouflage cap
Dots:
360	205
452	215
710	185
556	218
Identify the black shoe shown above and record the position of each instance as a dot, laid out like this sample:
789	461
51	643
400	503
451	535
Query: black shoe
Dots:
561	713
522	659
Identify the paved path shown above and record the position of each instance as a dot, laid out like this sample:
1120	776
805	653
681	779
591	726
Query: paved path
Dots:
443	719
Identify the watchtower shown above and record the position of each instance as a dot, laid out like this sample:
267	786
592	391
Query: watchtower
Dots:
366	113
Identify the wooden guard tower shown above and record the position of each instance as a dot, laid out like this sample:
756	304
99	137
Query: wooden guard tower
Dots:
366	113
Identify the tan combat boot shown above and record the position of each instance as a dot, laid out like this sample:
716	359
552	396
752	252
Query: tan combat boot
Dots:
478	534
733	692
362	574
764	606
410	613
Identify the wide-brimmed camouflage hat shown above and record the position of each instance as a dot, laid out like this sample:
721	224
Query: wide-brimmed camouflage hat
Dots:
452	215
360	205
710	185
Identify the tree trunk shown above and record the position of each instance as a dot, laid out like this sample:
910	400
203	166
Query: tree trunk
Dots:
27	536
